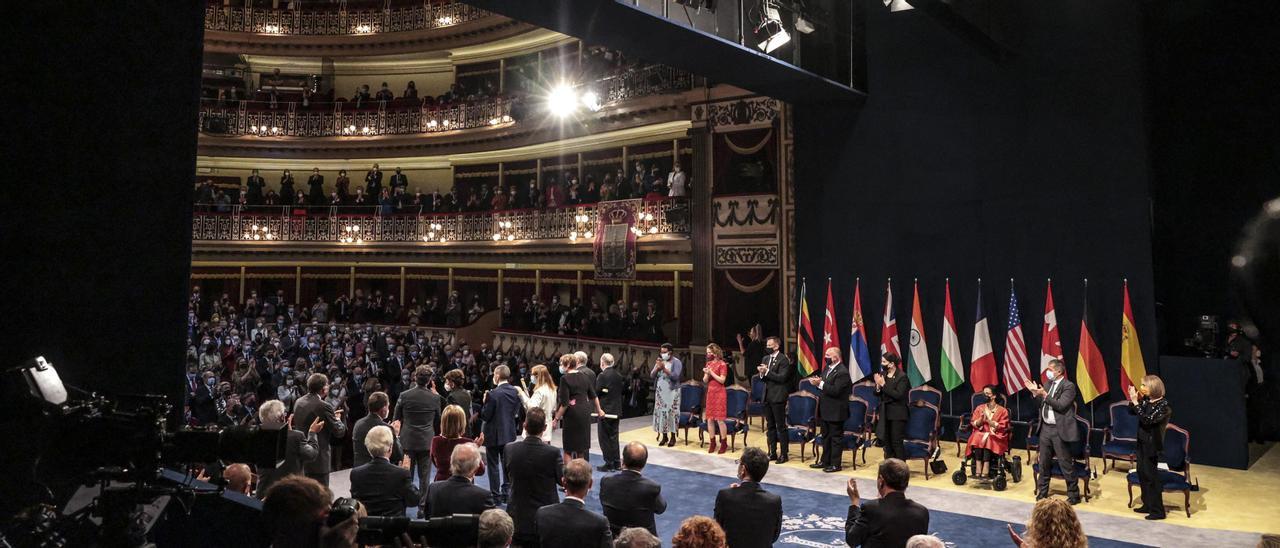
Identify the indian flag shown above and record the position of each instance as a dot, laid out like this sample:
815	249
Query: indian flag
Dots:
918	368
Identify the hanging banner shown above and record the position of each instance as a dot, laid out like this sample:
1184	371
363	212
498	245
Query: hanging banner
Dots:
615	247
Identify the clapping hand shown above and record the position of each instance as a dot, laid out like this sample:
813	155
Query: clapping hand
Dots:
480	440
851	487
316	425
1133	394
879	380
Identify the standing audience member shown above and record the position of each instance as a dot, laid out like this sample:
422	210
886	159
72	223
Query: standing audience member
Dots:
666	394
630	499
1053	524
307	409
495	529
294	513
609	387
636	537
453	427
892	519
699	532
577	399
315	184
833	409
677	182
455	393
894	389
379	407
714	375
570	523
749	515
500	414
239	478
543	396
417	411
536	469
458	495
299	448
779	381
1057	428
384	488
1153	411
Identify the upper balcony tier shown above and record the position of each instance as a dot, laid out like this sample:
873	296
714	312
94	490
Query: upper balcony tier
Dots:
352	28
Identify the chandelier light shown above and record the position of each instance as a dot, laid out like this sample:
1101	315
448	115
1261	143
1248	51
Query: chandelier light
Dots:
351	235
259	233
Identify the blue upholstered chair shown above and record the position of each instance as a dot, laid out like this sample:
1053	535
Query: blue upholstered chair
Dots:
735	413
691	398
1033	432
802	408
866	391
755	404
854	434
927	394
964	429
810	388
1082	468
921	436
1121	439
1177	447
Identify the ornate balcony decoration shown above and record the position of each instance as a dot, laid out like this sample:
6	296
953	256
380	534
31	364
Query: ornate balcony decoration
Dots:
281	224
342	120
340	22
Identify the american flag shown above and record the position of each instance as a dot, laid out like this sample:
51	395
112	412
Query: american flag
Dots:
1017	373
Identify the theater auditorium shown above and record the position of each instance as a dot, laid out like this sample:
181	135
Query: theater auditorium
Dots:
641	273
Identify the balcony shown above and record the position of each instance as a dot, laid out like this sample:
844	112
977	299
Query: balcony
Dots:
339	22
342	119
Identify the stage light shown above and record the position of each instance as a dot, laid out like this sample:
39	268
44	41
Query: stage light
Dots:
769	32
445	20
562	101
803	25
591	100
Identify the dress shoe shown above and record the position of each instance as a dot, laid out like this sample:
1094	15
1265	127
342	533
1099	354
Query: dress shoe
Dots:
831	469
1154	517
1038	497
672	443
1142	510
605	468
773	456
817	465
783	459
711	447
662	441
1073	500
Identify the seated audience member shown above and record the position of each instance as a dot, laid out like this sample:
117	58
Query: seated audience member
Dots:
925	541
495	529
294	513
636	537
386	489
379	407
699	532
453	424
892	519
749	515
238	477
570	523
1053	523
299	448
536	468
458	494
630	499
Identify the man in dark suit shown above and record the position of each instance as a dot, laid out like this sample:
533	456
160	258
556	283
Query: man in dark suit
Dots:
570	523
458	494
299	448
630	499
535	469
417	410
501	414
373	182
889	521
833	409
1057	429
779	382
306	410
379	407
609	387
749	515
384	488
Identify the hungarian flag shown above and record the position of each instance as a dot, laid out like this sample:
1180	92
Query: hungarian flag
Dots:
889	335
918	367
1050	343
1132	367
1017	372
1091	373
858	351
804	338
952	367
982	362
830	335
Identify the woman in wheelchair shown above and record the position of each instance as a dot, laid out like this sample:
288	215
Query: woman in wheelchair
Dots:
990	438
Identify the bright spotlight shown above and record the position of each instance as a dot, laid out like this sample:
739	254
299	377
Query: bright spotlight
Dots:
562	101
770	32
591	100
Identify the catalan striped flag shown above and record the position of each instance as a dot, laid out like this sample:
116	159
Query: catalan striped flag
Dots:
805	361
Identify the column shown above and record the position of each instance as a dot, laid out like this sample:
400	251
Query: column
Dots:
450	280
351	283
675	313
701	236
579	273
297	286
402	277
242	285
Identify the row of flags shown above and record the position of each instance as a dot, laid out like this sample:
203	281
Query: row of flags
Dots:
1091	372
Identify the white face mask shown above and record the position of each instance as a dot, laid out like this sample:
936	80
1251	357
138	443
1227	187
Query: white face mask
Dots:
665	356
1050	374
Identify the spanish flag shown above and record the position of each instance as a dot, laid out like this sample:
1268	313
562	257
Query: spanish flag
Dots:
1132	367
1091	373
804	339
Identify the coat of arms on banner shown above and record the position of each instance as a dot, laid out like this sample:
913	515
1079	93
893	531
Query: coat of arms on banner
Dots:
615	246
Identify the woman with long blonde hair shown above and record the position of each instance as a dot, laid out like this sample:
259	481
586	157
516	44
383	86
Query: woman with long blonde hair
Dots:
542	395
1053	524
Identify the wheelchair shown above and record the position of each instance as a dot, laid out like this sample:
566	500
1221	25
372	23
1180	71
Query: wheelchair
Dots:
1002	470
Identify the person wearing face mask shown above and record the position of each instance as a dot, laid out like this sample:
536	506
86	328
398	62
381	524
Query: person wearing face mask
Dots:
1057	428
749	515
889	520
543	396
666	395
677	182
894	389
833	409
456	394
779	382
204	407
990	437
1153	411
417	410
577	400
714	374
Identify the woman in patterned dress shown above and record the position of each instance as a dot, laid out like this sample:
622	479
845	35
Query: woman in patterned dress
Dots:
714	375
666	395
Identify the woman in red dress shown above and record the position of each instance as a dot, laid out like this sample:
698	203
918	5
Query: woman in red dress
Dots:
713	375
990	437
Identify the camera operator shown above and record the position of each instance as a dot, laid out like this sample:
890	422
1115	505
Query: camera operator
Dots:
296	512
313	406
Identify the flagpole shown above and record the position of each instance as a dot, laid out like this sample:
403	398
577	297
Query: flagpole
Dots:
1086	303
951	395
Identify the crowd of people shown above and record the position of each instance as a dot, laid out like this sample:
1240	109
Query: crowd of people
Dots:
645	181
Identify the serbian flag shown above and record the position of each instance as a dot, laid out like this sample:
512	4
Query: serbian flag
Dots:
1017	372
982	368
1050	343
1132	367
952	367
830	335
858	351
1091	373
804	339
889	334
919	370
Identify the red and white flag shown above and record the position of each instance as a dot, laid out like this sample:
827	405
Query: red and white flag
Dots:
1050	343
830	336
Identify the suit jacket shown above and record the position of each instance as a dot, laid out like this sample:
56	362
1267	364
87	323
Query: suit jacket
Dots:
609	386
360	454
1153	419
749	515
461	398
535	468
833	406
501	413
1061	401
456	495
386	489
779	380
885	523
307	409
893	397
417	409
299	449
569	523
631	500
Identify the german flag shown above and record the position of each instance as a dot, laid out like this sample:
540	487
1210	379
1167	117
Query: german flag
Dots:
1091	373
805	361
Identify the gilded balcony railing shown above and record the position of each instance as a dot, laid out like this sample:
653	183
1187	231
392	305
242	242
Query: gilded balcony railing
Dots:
338	22
347	226
342	119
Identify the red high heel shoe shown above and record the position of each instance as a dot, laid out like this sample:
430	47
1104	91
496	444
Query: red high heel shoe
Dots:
712	446
724	445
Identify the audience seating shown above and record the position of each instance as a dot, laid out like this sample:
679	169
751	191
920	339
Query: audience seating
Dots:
802	409
735	412
1083	465
1121	437
853	435
755	405
1033	432
1177	454
927	394
691	398
866	390
811	389
921	436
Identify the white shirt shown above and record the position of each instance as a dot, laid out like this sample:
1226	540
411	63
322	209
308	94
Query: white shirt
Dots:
676	182
1048	413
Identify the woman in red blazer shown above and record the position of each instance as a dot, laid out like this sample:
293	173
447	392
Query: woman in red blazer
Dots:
990	437
453	422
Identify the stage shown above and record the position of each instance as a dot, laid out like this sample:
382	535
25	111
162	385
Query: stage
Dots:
1232	508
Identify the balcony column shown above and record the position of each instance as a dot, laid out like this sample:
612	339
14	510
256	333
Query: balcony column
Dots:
537	176
537	284
501	178
500	283
675	297
579	272
502	75
626	292
242	285
579	166
297	285
700	235
402	277
451	281
625	168
351	283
